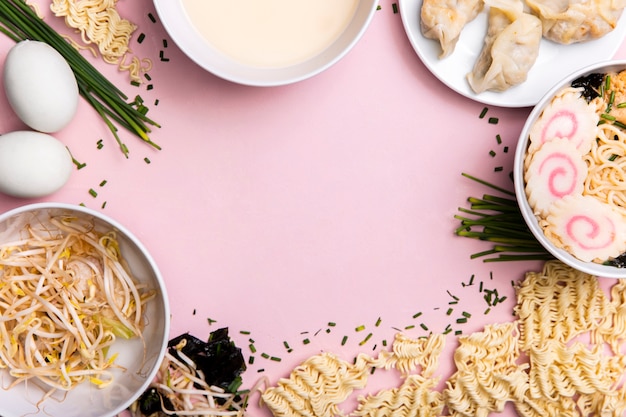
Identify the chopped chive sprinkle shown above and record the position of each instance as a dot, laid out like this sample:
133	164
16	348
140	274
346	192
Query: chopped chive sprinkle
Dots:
135	83
141	37
104	205
458	332
364	341
211	321
332	324
379	7
275	358
146	160
394	6
93	192
621	105
265	355
246	332
466	314
409	327
344	340
423	326
260	370
493	120
608	117
449	312
378	321
151	17
103	183
483	113
492	153
306	341
487	310
416	315
164	43
498	139
252	348
384	342
250	360
149	87
505	149
498	169
156	102
613	157
360	328
147	76
461	320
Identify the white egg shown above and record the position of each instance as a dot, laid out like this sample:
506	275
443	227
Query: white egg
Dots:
40	86
33	164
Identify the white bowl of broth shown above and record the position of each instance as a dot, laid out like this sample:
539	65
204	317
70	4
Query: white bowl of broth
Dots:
78	357
266	42
568	170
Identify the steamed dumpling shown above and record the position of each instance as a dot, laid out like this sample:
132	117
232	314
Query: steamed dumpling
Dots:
571	21
443	20
510	49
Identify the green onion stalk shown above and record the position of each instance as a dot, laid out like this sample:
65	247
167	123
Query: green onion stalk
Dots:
498	220
19	22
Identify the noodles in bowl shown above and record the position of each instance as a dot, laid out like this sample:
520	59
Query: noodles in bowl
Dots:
569	176
84	317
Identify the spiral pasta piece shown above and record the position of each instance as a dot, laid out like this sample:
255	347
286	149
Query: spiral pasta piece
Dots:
556	170
586	228
567	116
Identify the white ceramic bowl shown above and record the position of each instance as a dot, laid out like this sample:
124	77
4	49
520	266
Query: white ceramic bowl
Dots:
520	152
86	400
176	22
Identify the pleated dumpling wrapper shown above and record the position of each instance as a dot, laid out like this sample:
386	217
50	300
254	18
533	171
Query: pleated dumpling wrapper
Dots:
587	228
571	21
510	49
556	170
568	116
444	20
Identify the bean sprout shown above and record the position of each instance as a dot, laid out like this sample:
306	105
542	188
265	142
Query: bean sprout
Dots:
183	391
66	295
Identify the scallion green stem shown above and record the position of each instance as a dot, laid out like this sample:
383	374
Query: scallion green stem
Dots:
19	22
498	220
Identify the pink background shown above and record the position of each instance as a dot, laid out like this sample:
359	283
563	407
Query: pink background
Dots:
275	211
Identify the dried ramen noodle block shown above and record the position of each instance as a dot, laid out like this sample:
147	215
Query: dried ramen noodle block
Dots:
559	303
487	374
99	23
586	228
556	170
317	386
416	397
407	354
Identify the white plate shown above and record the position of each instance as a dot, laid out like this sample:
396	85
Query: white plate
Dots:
553	63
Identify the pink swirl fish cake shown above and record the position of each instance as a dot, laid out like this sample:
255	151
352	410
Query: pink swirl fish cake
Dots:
585	227
556	170
567	116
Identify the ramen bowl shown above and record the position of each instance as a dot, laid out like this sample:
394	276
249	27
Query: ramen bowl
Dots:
133	360
266	44
581	230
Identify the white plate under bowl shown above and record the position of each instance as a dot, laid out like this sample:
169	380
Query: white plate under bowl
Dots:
553	63
178	25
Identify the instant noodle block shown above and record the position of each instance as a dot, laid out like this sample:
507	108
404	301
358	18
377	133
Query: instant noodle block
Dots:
85	313
570	170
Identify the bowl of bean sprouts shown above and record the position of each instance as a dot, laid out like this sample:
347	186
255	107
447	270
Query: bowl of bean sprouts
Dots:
84	314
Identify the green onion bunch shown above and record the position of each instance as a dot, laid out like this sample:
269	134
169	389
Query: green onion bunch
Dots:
498	220
19	22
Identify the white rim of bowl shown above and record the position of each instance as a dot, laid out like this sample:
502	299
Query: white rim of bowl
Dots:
599	270
157	273
164	9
